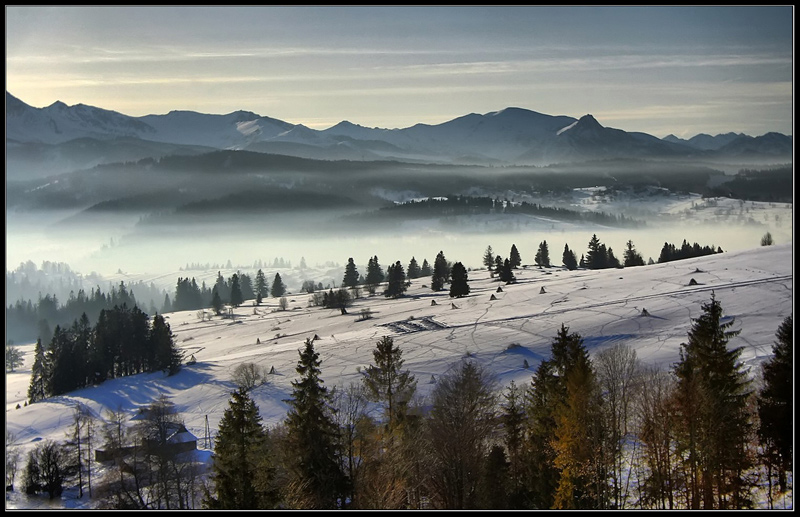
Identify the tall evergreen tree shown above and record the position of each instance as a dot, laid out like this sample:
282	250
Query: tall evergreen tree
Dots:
167	356
506	273
396	281
425	271
216	301
261	289
39	373
631	257
413	269
316	477
596	257
568	259
514	258
712	410
542	258
374	273
441	272
278	289
776	403
459	285
223	288
386	381
240	459
246	287
236	291
350	274
488	258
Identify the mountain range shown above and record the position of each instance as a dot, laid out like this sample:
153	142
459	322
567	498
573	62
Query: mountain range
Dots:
60	138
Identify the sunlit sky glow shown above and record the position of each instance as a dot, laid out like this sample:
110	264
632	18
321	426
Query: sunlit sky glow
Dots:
660	70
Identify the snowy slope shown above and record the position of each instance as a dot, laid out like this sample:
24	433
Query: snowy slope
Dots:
605	307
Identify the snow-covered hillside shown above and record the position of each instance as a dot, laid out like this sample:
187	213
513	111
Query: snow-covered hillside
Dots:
503	331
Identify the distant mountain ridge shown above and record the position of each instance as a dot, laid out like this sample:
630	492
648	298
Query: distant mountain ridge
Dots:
512	136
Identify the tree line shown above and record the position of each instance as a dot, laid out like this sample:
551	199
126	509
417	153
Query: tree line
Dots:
124	341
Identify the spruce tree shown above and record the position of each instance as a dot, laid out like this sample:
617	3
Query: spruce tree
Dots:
776	404
216	302
488	258
350	274
593	257
458	285
396	281
506	272
542	258
261	287
387	383
712	410
39	373
167	356
241	458
631	257
568	259
278	289
316	476
441	272
425	271
374	273
236	291
413	269
514	259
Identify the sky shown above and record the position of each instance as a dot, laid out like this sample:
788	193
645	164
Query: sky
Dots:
660	70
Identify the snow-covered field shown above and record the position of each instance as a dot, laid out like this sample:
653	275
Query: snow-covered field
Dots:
502	330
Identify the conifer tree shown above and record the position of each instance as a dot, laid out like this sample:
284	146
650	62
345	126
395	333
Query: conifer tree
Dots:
236	291
542	258
261	287
350	274
595	257
39	373
413	269
776	403
506	273
374	273
386	381
425	271
488	258
241	458
278	289
396	281
631	257
568	259
222	287
712	410
216	302
441	272
459	285
514	259
316	476
246	287
167	356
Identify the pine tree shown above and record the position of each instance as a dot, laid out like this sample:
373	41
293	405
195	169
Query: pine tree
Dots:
316	477
425	271
542	258
413	269
397	281
39	374
261	287
712	408
488	258
506	273
374	273
350	274
236	291
776	402
222	288
631	257
595	257
246	287
387	382
568	259
240	459
167	356
611	260
514	259
441	272
216	302
278	289
458	285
